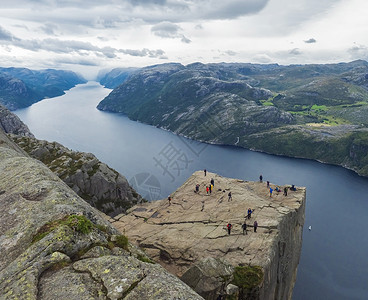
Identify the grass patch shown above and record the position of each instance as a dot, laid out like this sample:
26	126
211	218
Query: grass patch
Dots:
122	242
267	102
319	107
145	259
247	278
76	223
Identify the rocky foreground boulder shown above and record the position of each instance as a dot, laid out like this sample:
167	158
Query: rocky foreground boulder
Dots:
54	245
189	236
93	180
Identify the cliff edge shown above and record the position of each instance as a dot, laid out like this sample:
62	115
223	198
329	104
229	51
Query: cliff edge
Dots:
54	245
190	233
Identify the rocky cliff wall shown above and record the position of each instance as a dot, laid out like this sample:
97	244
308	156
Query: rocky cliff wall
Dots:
94	181
54	245
10	123
185	233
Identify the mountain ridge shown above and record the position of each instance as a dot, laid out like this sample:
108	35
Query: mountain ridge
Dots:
276	109
21	87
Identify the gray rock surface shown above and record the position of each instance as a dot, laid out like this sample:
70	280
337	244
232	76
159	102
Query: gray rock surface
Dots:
94	181
209	277
11	123
45	229
193	227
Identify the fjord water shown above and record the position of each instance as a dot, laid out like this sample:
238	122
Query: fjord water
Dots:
333	264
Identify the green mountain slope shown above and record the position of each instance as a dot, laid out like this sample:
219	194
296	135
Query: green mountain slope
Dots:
312	111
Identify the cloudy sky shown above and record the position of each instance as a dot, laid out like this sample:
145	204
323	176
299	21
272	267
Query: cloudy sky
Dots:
87	36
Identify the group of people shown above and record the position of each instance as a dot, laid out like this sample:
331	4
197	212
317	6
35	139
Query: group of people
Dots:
209	188
229	226
277	188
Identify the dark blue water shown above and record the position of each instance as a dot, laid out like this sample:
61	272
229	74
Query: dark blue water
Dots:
334	263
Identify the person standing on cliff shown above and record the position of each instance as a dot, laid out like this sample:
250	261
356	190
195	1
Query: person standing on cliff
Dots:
285	191
260	178
230	197
249	213
229	226
212	182
169	199
244	226
205	172
207	189
271	190
255	225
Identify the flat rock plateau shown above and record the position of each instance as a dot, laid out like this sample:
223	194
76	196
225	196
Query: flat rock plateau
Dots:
192	228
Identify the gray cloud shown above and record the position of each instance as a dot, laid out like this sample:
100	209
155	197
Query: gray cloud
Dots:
295	51
49	28
310	41
111	12
77	61
185	40
230	53
169	30
5	35
166	30
81	48
358	52
144	52
215	9
262	58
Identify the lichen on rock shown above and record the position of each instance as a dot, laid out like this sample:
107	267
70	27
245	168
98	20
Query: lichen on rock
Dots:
54	245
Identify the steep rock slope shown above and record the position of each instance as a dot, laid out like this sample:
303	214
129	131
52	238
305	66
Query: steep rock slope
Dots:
54	245
115	77
287	110
183	235
10	123
187	99
94	181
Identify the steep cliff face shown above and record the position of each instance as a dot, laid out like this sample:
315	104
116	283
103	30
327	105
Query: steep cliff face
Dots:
94	181
54	245
10	123
184	234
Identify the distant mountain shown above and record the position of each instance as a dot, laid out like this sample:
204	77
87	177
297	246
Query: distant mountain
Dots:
312	111
115	77
21	87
